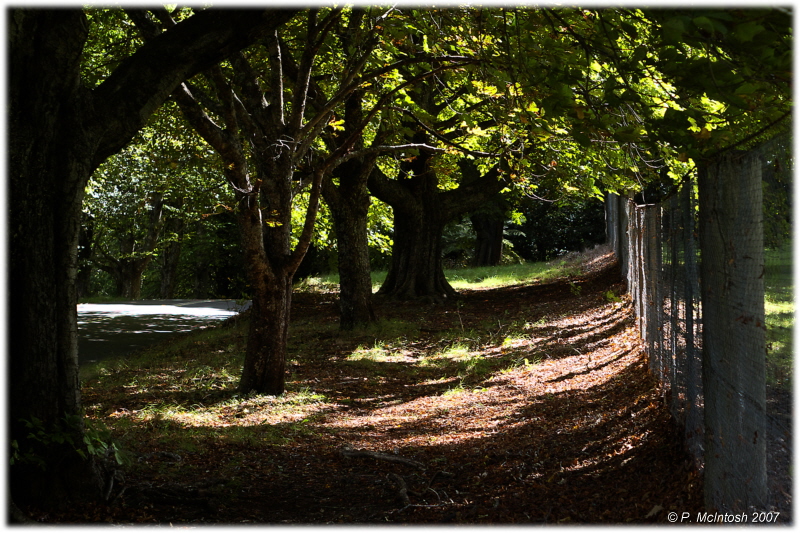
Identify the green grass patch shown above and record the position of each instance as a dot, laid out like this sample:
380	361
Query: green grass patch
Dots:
377	353
466	278
779	309
182	396
507	275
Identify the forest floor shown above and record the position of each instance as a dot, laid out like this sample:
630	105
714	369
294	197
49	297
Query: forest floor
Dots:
522	404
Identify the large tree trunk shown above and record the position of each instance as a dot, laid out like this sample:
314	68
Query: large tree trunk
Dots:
59	132
49	162
416	269
265	359
421	211
734	336
349	207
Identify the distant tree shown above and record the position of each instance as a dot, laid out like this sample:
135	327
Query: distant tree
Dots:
552	228
141	199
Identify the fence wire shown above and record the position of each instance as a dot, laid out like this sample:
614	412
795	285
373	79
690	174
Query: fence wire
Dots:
660	249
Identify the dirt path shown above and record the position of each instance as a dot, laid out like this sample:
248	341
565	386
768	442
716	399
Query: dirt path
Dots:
466	422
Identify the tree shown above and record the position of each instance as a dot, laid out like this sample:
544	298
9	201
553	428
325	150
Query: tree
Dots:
692	85
349	206
60	131
420	214
345	190
430	116
262	141
141	199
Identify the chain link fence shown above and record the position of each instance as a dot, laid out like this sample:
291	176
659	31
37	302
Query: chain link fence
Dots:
709	270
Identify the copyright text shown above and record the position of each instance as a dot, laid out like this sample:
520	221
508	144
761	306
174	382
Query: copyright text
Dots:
723	518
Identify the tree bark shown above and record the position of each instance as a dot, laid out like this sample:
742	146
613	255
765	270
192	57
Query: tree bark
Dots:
48	161
734	334
170	259
421	211
488	239
349	207
265	359
59	132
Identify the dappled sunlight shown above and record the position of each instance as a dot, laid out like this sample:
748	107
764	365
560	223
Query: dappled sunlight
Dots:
475	412
535	390
235	411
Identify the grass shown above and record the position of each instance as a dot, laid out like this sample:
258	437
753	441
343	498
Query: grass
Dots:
474	278
779	308
503	276
435	383
182	396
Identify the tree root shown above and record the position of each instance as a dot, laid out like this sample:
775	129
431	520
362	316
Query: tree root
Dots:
347	452
402	489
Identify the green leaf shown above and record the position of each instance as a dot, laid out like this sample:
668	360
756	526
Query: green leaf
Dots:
703	23
747	31
628	135
640	53
746	88
582	139
630	29
673	30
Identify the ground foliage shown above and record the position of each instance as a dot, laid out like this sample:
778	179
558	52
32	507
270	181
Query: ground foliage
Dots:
524	404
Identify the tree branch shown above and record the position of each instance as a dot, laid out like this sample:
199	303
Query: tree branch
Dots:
143	81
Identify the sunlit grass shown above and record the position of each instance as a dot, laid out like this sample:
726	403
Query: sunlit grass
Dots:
458	350
474	278
184	392
377	353
779	310
506	275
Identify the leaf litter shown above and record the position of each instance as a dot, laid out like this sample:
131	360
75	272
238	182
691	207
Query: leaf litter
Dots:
523	404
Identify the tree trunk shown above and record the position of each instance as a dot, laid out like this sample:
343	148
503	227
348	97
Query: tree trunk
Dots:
421	211
355	282
59	132
265	359
349	206
734	336
49	162
170	259
489	239
270	270
416	269
127	274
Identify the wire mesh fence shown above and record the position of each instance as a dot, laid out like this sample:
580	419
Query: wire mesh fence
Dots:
709	270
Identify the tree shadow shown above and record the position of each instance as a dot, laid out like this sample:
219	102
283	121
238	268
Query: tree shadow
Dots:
501	443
